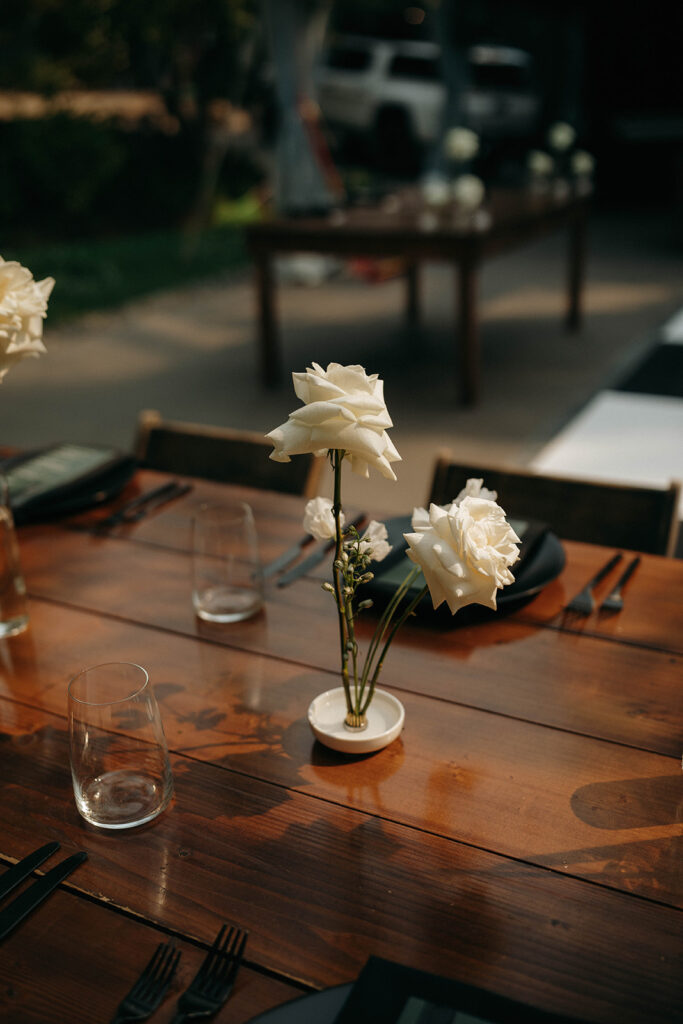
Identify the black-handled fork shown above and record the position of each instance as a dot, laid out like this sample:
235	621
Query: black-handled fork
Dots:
213	982
583	603
151	987
614	601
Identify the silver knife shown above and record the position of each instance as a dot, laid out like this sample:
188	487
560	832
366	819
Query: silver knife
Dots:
283	560
23	868
316	556
21	905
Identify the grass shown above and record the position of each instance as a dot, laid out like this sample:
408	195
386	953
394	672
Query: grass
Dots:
105	273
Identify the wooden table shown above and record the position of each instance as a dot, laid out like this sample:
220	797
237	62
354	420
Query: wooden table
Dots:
524	834
405	228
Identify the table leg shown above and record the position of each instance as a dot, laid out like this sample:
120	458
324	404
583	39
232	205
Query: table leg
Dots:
412	293
577	266
468	332
268	340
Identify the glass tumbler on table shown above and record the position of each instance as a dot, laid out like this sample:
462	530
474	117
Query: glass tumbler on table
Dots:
13	603
228	579
119	758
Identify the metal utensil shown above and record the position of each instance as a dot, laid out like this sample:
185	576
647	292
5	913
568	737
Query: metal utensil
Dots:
17	910
136	503
23	868
316	556
213	982
287	557
155	503
614	601
583	603
151	987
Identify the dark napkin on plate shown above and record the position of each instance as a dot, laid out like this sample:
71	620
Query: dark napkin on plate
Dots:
541	558
389	993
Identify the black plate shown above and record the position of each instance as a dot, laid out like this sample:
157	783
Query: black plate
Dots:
317	1008
542	559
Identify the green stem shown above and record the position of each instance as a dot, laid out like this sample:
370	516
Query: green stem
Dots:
384	622
409	610
337	457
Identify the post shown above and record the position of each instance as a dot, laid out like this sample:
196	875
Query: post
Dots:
268	341
577	265
468	332
412	292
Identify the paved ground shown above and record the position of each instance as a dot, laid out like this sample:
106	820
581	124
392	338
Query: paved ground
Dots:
191	354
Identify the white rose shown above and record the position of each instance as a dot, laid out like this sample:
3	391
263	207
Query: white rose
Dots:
435	190
474	489
318	519
23	307
468	191
582	163
375	541
461	144
343	408
540	164
464	551
561	136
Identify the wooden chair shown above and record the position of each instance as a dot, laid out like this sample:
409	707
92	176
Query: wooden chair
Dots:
615	515
221	454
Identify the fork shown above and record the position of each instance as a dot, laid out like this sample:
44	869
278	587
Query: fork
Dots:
583	603
151	986
213	982
614	602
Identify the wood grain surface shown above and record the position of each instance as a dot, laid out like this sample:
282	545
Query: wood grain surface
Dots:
525	833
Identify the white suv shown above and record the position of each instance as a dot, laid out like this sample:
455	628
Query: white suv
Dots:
393	91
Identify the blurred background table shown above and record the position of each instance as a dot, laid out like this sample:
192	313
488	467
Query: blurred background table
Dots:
403	226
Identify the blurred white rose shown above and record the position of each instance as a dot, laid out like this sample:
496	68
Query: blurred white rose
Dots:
583	163
474	489
468	190
435	190
464	551
343	408
461	144
318	518
561	136
540	164
375	541
23	307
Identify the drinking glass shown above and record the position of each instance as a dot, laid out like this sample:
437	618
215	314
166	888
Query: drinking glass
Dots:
228	580
13	604
119	758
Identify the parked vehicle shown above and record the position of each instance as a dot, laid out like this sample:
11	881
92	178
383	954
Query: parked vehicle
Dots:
392	91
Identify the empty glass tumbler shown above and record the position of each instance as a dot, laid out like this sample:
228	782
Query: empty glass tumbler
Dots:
119	758
13	603
228	580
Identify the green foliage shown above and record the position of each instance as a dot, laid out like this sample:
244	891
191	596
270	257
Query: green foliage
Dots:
100	274
58	44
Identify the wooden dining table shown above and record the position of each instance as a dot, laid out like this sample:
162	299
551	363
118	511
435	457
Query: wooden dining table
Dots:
523	835
403	226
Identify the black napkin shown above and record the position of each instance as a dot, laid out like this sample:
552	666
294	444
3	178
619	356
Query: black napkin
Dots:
541	558
64	479
390	993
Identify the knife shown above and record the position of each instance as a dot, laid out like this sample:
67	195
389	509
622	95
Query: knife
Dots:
23	868
23	904
283	560
316	556
176	491
137	503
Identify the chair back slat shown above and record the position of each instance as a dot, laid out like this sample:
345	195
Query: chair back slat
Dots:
615	515
221	454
